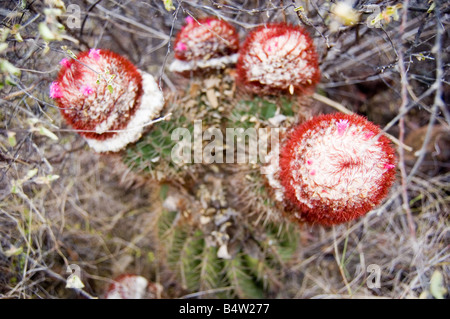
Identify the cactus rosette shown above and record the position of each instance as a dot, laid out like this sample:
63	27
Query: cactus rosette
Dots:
202	44
106	99
332	169
278	58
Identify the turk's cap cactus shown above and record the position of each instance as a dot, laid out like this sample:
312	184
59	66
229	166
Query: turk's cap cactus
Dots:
278	58
207	43
128	286
106	99
332	169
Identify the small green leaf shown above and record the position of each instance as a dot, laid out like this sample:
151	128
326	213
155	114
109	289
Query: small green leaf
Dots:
3	46
31	173
46	179
150	257
18	37
10	81
69	52
13	251
61	27
48	133
52	178
11	138
420	57
268	110
14	187
59	4
15	30
53	12
110	88
46	48
168	4
6	66
74	282
73	55
437	288
23	4
4	34
32	121
45	32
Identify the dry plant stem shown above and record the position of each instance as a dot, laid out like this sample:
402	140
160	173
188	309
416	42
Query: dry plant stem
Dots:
332	103
19	93
156	34
438	102
58	277
283	11
344	110
366	52
401	114
401	124
169	49
159	119
339	263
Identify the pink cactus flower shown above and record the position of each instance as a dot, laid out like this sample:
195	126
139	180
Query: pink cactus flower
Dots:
181	46
342	126
65	62
189	20
55	91
87	90
94	54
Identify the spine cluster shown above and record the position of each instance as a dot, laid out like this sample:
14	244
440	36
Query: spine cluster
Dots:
278	58
334	168
204	44
106	98
204	39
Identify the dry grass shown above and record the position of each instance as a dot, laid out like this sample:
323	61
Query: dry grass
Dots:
101	217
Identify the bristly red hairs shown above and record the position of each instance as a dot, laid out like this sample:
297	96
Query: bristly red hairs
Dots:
205	38
83	95
278	58
335	168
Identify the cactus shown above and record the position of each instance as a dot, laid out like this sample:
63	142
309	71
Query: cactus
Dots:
152	154
106	99
278	58
256	255
335	168
224	234
208	99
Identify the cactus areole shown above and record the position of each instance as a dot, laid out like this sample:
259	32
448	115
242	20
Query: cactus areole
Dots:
278	58
207	43
334	168
106	99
